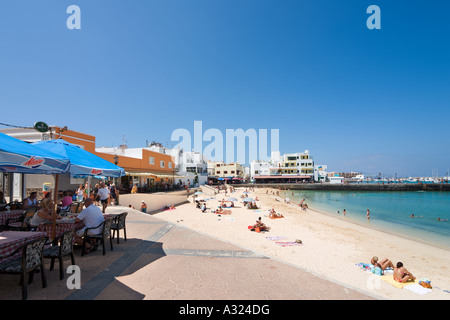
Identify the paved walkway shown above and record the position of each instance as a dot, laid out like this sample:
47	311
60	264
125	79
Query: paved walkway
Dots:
163	261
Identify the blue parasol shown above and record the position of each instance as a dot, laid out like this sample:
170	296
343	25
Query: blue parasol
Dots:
17	156
81	161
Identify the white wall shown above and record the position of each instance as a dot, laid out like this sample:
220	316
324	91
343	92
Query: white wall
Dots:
154	201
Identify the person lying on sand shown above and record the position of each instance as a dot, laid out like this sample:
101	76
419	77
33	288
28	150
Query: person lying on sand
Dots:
383	264
401	274
274	215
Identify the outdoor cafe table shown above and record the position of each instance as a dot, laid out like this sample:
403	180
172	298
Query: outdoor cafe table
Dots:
12	214
11	240
66	225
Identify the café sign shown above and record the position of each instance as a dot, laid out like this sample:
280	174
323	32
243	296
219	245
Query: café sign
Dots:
40	126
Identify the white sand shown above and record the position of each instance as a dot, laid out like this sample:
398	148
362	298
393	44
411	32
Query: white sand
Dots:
331	246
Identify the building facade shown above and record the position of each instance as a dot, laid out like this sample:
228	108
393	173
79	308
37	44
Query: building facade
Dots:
290	167
145	167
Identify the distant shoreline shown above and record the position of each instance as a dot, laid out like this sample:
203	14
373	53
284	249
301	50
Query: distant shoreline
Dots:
363	186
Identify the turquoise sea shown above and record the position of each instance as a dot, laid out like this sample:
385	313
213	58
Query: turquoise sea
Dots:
389	211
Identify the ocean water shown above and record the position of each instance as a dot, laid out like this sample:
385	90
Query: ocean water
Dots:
389	211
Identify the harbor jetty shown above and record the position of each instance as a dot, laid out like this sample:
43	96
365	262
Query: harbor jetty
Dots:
355	186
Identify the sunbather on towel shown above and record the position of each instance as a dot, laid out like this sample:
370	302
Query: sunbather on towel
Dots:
275	215
401	274
383	264
260	225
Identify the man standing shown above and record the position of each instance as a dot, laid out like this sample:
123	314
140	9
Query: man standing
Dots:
91	217
113	194
103	193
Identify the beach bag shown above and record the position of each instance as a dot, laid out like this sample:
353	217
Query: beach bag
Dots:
425	284
257	229
377	271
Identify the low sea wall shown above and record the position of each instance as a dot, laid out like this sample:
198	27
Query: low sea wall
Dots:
155	201
354	186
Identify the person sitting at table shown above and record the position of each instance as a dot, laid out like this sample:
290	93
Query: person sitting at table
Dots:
91	216
66	201
44	214
30	202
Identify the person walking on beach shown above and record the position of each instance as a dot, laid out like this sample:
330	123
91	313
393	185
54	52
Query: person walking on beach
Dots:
143	207
368	214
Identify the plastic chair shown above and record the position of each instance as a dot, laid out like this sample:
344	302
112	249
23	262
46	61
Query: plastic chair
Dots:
21	223
118	224
106	232
31	259
61	247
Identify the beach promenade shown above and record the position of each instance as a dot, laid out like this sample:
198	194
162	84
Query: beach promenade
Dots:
165	261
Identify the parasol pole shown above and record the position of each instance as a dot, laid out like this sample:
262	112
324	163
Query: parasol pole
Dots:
55	204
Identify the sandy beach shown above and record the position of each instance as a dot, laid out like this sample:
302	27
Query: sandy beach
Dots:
331	247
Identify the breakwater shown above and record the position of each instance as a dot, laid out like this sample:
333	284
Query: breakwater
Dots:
354	186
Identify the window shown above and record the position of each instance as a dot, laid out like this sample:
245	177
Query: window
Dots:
162	164
151	160
225	172
217	172
232	172
170	165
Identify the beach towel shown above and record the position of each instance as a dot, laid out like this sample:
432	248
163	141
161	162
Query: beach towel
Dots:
370	268
274	238
288	243
365	266
417	288
390	279
275	217
226	219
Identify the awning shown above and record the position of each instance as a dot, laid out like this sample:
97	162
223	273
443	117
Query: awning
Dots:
155	174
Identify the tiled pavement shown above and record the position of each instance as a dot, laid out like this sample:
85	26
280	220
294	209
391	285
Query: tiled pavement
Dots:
163	261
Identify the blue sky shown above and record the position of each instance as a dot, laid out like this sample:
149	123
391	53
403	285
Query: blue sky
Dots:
358	99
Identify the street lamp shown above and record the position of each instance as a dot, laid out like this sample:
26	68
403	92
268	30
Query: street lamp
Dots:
116	161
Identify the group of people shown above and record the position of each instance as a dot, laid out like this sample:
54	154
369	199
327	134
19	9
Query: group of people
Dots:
252	205
303	205
224	204
401	274
259	226
91	216
101	193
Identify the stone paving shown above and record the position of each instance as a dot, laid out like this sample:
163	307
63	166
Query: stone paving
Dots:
163	261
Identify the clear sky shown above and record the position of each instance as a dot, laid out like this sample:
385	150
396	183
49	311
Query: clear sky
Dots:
358	99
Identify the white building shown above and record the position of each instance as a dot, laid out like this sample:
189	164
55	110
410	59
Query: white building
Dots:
298	166
190	166
320	173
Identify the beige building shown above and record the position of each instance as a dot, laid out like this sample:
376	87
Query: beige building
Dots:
233	170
